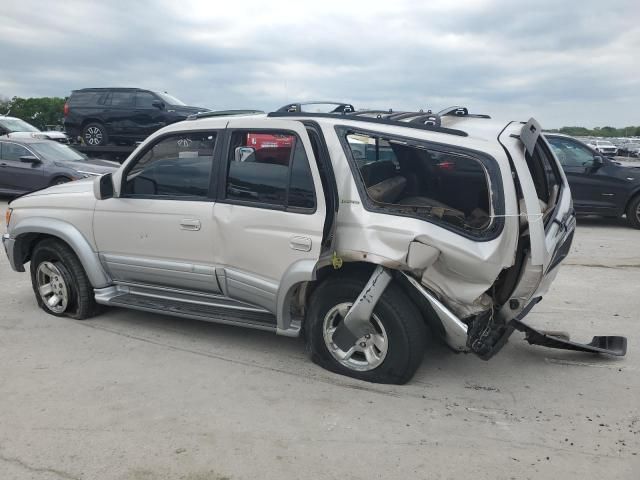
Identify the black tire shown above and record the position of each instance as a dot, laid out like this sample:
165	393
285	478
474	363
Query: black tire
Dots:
80	303
404	326
94	134
59	181
633	212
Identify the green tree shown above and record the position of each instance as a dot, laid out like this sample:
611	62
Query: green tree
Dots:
39	112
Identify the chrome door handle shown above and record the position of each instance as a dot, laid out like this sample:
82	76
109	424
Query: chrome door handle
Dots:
190	224
300	243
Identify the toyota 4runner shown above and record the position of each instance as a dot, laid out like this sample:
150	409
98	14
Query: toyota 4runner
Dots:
363	231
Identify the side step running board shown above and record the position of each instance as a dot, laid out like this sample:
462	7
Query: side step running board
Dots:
210	313
610	345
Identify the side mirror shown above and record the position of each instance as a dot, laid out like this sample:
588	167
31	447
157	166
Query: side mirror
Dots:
105	187
29	159
598	161
242	154
159	104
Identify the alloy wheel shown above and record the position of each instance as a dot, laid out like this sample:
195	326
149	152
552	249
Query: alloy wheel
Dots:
367	353
93	136
52	287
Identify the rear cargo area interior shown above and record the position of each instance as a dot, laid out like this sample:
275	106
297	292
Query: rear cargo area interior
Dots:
426	182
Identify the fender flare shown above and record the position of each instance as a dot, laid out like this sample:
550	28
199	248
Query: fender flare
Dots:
299	272
71	236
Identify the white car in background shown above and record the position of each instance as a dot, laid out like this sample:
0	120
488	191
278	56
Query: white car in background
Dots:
15	127
604	146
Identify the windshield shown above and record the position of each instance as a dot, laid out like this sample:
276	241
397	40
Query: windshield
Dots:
57	151
17	125
168	99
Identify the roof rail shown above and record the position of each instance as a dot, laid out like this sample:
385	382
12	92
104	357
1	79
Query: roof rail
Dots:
379	119
223	113
341	107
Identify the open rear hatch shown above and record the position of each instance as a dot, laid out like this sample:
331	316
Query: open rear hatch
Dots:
547	227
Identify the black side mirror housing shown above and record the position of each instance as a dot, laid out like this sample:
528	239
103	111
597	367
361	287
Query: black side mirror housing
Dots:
159	104
105	187
598	161
29	159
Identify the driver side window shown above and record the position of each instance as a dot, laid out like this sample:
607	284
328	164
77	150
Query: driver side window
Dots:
570	153
176	167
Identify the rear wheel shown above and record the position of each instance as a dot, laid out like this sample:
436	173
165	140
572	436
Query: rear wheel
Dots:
59	281
94	134
633	212
391	354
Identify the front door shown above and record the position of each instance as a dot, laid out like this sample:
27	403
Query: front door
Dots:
160	230
16	175
147	117
270	209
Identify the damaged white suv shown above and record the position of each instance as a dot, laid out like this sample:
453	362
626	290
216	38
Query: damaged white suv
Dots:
364	231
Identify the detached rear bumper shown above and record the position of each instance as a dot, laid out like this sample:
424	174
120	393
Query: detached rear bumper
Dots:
9	247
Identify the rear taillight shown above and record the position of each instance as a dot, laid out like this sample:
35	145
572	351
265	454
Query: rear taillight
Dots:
66	109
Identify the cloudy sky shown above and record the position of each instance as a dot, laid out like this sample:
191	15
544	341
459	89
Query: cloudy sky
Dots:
566	62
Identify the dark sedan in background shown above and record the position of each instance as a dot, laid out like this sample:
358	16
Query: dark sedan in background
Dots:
599	185
28	164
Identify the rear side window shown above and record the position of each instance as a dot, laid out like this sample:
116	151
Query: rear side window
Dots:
407	177
270	168
87	98
177	166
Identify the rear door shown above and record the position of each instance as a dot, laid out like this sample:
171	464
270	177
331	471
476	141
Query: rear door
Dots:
270	209
119	112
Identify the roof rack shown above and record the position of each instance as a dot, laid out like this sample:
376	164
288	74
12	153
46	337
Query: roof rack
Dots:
460	112
421	120
223	113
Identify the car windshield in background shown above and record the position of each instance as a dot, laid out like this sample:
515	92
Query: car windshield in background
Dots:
17	125
169	99
56	151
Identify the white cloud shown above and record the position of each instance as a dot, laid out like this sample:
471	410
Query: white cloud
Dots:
571	62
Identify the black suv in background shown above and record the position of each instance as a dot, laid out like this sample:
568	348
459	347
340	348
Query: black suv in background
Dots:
121	115
599	185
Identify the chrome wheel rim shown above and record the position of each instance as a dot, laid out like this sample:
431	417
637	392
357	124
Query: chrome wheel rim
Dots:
52	287
367	353
93	136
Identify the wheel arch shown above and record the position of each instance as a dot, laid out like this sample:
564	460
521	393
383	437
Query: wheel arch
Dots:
28	232
634	194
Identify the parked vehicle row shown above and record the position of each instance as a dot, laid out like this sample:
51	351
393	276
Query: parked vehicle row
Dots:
375	229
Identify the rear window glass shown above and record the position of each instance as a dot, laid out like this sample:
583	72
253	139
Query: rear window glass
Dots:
410	178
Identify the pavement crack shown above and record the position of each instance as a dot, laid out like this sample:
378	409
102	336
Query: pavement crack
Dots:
31	468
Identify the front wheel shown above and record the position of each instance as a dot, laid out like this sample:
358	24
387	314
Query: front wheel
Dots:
633	212
391	354
59	281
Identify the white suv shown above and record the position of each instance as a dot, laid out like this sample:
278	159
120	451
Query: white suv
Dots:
365	231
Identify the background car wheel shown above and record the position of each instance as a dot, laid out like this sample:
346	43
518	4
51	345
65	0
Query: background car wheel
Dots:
94	134
633	212
390	355
59	181
59	281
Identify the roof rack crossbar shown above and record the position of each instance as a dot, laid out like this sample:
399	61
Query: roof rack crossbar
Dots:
460	112
341	107
402	115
